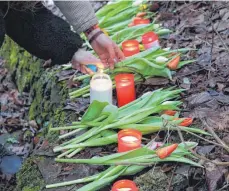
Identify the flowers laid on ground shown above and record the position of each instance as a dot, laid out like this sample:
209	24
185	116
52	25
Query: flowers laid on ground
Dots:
103	124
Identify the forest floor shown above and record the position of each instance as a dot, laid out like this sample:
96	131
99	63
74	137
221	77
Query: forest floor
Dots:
203	26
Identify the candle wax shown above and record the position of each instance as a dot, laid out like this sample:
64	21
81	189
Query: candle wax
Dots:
129	139
124	189
124	185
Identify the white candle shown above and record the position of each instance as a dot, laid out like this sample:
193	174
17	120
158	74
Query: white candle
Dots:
101	88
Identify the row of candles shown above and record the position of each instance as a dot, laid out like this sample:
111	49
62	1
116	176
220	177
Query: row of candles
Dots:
131	47
129	139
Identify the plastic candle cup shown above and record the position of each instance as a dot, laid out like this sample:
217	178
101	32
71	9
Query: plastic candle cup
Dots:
101	88
124	185
149	40
125	88
130	47
129	139
141	21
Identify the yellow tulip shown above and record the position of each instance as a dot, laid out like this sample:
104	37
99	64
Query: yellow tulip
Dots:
143	7
141	47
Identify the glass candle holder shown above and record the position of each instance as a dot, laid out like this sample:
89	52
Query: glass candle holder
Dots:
101	88
130	47
125	89
141	21
149	40
129	139
128	185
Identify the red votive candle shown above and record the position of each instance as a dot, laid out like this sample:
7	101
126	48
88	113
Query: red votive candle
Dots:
149	40
129	139
124	185
125	89
141	21
130	47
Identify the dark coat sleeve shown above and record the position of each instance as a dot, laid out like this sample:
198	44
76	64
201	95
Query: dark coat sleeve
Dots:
42	34
2	28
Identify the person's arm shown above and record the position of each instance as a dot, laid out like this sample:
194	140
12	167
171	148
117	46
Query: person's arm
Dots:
2	28
42	34
80	14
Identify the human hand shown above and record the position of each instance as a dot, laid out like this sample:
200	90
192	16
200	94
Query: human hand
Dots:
108	52
83	58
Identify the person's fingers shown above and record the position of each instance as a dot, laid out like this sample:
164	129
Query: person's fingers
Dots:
86	70
82	69
75	65
119	53
111	63
104	58
112	56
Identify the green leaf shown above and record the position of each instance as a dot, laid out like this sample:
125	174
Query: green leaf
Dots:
162	32
133	169
183	63
98	184
112	112
190	145
110	158
151	119
134	106
127	14
171	159
108	132
108	8
94	111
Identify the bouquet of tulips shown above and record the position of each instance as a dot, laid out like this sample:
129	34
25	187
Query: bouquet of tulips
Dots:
101	120
147	64
129	163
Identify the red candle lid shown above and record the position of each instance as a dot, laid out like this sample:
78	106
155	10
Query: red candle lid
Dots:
141	21
124	184
149	37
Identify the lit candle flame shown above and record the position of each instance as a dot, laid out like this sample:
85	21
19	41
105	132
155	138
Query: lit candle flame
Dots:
100	70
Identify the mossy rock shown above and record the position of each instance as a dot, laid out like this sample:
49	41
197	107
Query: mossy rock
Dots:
154	180
48	97
29	177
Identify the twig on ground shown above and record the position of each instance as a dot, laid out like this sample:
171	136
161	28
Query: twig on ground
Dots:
227	185
212	132
214	143
187	74
209	43
197	155
171	179
215	30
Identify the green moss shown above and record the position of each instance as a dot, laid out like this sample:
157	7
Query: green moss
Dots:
36	188
29	177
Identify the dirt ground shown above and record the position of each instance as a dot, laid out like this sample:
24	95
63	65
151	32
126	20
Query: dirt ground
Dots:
203	26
